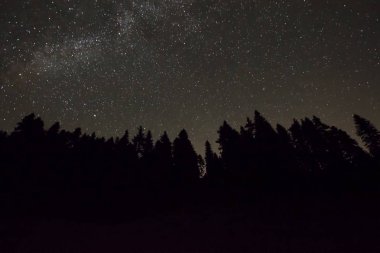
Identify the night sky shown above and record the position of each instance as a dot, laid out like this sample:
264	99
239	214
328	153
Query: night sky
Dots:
110	65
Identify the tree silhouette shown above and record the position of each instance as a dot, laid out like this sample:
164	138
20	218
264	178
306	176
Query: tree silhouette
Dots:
71	169
127	154
201	166
303	153
185	160
31	128
163	161
247	150
229	149
148	143
369	135
5	173
267	150
214	171
124	140
147	157
287	156
139	142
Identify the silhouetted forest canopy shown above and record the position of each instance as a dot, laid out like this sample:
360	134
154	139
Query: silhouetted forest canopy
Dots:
57	168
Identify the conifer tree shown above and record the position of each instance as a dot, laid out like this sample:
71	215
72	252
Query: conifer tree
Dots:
185	160
369	135
213	171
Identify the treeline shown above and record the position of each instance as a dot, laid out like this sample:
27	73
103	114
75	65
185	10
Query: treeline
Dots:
56	165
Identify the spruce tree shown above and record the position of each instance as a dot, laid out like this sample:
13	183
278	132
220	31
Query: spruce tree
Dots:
369	135
185	160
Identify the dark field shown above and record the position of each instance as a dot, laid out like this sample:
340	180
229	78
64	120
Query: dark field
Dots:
270	224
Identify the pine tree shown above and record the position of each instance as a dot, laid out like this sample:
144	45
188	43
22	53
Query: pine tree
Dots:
287	155
229	146
267	150
211	162
302	150
201	166
369	135
31	128
163	152
163	161
185	160
347	148
148	143
54	129
124	141
263	131
138	142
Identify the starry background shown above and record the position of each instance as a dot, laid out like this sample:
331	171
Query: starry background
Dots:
110	65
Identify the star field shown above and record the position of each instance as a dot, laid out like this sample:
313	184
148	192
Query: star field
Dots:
110	65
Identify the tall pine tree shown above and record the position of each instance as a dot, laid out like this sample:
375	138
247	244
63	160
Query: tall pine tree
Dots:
369	135
185	160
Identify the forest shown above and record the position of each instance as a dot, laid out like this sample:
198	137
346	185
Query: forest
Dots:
54	169
309	188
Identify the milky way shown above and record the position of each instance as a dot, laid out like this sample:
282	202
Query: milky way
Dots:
109	65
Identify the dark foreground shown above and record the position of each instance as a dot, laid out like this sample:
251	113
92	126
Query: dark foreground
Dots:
274	223
308	189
